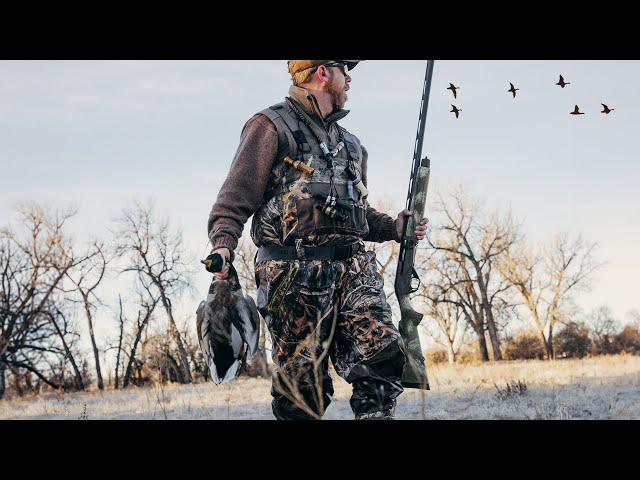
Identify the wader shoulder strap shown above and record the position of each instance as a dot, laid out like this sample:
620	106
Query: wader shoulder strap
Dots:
287	127
353	145
289	133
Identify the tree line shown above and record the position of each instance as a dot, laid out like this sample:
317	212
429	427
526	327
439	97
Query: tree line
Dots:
486	282
49	299
485	287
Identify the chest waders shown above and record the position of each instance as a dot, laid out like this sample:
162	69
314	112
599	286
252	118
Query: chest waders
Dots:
317	189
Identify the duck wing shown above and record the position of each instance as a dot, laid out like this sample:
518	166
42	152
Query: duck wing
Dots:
217	353
221	343
247	322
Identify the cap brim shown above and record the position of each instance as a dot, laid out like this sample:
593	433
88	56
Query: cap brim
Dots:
351	64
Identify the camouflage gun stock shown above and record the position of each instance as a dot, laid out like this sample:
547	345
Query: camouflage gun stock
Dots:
414	374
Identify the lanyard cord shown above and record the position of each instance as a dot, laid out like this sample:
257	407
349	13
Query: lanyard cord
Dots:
328	155
305	120
340	138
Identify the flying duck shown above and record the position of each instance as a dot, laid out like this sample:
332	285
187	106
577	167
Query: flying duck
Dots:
453	88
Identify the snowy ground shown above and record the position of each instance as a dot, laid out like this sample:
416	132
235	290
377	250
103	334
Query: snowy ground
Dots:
598	388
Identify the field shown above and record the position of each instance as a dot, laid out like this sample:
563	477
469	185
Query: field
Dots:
594	388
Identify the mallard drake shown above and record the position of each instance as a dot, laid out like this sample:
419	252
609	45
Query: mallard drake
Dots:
228	328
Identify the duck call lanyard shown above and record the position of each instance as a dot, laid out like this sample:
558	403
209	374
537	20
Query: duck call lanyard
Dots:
328	155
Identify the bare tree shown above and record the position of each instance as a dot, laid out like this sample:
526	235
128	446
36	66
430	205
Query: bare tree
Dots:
68	338
446	312
604	327
547	279
147	304
35	333
85	279
120	338
155	253
633	317
446	284
471	242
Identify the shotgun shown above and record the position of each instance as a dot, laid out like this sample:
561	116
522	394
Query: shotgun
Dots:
414	374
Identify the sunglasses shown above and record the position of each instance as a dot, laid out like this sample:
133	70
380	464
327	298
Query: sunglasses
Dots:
342	65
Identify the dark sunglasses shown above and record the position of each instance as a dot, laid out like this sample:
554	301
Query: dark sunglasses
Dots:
343	65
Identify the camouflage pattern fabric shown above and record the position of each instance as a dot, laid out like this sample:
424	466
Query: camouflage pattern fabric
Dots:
318	310
291	214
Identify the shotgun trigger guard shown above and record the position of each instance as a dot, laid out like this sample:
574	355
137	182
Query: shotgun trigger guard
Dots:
414	276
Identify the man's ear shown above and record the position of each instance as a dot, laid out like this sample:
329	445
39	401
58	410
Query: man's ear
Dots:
322	74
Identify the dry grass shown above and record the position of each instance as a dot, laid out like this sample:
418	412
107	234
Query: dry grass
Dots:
596	388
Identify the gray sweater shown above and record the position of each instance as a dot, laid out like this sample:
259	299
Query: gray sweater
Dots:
242	191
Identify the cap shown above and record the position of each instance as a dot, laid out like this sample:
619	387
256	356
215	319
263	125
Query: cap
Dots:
296	66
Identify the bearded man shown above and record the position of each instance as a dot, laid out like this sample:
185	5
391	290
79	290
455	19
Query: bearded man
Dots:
303	178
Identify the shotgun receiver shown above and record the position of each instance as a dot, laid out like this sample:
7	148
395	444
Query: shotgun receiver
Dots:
414	374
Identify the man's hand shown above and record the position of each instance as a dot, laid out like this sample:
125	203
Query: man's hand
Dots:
420	230
226	254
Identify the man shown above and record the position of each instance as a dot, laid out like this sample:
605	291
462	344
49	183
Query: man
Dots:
303	177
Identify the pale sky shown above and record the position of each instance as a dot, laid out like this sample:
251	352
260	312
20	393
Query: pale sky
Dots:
100	133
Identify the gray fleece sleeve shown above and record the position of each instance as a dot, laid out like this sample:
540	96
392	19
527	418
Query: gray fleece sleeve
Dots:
242	191
382	227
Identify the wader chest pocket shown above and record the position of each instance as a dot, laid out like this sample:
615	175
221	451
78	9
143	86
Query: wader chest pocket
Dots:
311	219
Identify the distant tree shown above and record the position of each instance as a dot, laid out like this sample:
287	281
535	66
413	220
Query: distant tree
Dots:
633	317
154	252
147	305
85	279
573	341
604	328
628	340
470	243
547	279
445	320
524	345
120	339
36	333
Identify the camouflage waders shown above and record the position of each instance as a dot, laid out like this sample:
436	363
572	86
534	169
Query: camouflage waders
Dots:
318	310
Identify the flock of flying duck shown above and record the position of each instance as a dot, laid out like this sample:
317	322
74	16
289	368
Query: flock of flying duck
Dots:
512	89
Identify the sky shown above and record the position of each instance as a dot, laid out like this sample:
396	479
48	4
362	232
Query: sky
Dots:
99	134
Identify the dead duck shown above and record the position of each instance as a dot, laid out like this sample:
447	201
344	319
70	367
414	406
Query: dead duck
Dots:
228	328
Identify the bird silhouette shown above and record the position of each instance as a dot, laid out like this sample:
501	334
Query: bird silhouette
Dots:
562	83
513	89
606	109
455	110
453	88
576	111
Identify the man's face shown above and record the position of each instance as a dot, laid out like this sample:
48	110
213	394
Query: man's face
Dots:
337	87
